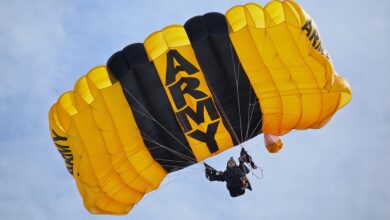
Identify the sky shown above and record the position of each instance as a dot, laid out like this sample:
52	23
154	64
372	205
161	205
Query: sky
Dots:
339	172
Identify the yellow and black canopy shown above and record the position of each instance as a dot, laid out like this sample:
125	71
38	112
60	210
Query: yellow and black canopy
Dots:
190	92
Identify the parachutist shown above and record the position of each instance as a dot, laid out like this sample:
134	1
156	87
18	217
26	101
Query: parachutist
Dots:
234	176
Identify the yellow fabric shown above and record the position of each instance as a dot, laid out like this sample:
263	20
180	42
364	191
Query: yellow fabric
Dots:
275	147
175	38
296	85
112	167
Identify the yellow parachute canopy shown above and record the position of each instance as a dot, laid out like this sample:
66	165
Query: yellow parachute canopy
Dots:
190	92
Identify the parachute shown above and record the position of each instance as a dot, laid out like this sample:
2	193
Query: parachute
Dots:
190	92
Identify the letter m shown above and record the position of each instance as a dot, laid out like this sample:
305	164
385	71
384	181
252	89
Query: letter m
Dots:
198	115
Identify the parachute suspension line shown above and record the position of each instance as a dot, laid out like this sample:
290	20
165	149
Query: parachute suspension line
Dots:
255	102
182	177
150	116
250	120
237	80
148	138
174	166
185	163
177	161
251	109
223	113
158	159
254	130
249	112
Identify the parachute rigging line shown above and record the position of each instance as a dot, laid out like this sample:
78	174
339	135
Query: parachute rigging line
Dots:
237	79
150	116
169	149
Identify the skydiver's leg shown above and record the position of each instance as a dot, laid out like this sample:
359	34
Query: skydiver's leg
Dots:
236	191
247	184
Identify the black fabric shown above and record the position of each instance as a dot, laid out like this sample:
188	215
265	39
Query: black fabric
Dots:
64	150
234	179
219	62
147	97
235	191
234	175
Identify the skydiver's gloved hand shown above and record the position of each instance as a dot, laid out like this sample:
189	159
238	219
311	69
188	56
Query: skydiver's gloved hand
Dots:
208	173
213	175
245	157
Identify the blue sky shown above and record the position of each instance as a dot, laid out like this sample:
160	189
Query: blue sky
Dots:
338	172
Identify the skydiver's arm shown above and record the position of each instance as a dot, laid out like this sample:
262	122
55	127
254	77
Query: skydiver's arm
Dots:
213	175
220	176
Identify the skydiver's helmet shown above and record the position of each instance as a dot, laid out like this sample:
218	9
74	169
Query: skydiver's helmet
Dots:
231	162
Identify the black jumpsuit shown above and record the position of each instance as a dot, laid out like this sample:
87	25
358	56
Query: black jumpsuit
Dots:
235	178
